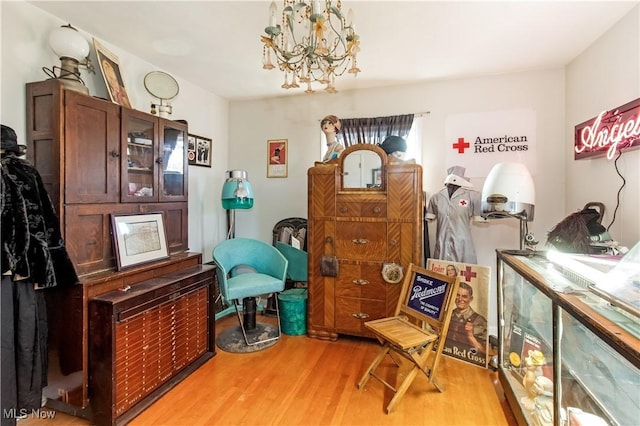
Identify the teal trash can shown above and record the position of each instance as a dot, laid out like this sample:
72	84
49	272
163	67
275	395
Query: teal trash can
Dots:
293	311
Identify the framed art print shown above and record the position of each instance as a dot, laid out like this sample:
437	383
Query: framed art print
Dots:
110	68
277	158
199	150
138	238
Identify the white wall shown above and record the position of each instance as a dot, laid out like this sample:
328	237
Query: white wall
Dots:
25	50
297	119
606	76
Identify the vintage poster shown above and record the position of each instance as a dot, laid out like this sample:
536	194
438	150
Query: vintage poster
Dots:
277	158
467	338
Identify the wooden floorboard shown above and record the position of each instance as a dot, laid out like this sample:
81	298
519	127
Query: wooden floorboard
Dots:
303	381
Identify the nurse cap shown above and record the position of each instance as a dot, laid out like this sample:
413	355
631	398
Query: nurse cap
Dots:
455	176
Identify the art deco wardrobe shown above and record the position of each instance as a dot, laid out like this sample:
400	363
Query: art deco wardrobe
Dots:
366	209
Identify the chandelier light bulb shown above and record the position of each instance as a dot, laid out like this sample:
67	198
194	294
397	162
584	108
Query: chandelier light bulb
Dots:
273	11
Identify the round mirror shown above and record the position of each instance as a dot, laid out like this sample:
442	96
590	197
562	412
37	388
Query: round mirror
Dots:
161	85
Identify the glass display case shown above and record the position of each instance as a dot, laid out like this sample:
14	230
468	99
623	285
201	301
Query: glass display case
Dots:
567	355
155	164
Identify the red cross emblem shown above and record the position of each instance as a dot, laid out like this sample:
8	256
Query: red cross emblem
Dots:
468	274
461	145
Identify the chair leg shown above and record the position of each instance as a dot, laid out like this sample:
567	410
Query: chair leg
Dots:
244	331
402	389
378	359
419	359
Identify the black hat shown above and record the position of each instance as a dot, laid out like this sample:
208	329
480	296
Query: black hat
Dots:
9	141
393	144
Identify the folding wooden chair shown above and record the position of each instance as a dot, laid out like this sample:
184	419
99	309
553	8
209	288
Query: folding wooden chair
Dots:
418	330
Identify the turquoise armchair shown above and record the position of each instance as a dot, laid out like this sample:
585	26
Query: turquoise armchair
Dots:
248	268
298	259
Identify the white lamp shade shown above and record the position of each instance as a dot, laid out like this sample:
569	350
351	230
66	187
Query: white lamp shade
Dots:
67	42
509	191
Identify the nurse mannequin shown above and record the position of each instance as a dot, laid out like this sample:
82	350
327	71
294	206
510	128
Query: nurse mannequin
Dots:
330	126
454	207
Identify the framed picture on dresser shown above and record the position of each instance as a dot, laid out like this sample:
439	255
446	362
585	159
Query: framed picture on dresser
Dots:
138	238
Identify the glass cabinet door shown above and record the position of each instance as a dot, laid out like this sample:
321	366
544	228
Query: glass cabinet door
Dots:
139	156
526	349
589	363
596	382
173	158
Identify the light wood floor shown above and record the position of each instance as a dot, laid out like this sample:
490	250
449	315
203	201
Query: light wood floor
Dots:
303	381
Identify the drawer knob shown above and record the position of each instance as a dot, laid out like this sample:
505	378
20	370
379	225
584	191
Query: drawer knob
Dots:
343	209
360	281
360	315
115	154
377	209
360	241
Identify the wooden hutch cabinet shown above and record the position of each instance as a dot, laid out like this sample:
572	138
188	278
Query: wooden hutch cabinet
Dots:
97	158
367	211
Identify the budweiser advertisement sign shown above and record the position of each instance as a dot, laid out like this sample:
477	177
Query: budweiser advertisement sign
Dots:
609	132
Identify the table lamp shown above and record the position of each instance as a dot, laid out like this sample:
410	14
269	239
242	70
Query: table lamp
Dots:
73	51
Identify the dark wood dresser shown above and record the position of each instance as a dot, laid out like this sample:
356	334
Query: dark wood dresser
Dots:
113	352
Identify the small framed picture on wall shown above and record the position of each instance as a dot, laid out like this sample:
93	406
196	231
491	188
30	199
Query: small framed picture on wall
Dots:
277	158
199	150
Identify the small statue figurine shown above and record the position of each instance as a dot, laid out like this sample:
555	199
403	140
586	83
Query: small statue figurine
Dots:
330	126
534	362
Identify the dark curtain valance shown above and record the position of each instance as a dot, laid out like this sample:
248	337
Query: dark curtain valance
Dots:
374	130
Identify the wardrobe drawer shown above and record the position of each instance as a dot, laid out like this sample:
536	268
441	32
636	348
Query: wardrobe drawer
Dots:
361	240
352	313
359	209
360	281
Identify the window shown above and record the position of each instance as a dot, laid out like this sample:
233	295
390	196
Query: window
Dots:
413	139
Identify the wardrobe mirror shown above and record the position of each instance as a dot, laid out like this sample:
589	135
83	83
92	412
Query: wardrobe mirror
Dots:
362	166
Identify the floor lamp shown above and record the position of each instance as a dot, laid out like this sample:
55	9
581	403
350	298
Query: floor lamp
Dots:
508	191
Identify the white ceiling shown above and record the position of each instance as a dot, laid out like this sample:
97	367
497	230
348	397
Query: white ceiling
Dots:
216	44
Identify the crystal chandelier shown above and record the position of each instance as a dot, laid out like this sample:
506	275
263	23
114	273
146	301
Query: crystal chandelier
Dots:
312	43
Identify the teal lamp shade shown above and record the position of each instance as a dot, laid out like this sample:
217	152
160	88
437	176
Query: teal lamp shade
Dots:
237	192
